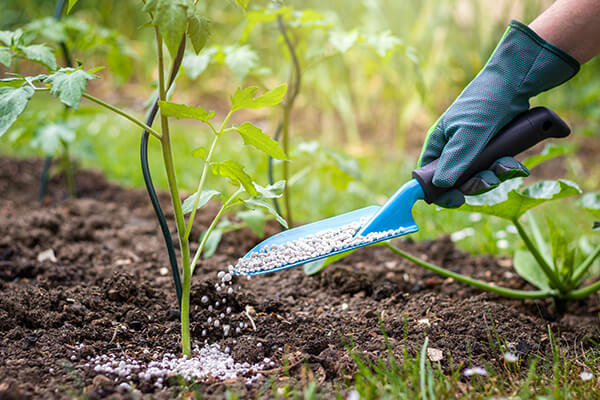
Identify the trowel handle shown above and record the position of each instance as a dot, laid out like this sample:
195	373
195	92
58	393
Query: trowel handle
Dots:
524	131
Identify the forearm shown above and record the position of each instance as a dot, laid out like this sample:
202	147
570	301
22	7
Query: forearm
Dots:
573	26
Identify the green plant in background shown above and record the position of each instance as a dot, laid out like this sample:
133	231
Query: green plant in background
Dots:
173	22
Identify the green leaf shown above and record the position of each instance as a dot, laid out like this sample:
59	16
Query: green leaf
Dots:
241	59
194	65
179	111
170	17
69	85
255	219
212	243
342	41
15	82
253	136
244	98
12	103
507	202
550	151
315	267
528	268
199	152
272	191
591	203
71	5
198	31
253	203
11	38
49	137
205	196
5	56
235	172
40	54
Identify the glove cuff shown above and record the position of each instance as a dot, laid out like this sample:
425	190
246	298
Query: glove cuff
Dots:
571	63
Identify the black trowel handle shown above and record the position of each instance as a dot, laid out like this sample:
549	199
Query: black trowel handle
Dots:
524	131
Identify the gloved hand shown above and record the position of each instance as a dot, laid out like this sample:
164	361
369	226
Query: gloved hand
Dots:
522	66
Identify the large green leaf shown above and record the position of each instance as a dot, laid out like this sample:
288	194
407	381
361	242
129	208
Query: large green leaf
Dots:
253	136
244	98
255	219
235	172
179	111
205	196
212	243
550	151
198	31
49	137
69	84
170	17
195	64
40	54
591	203
528	268
241	59
12	103
254	202
5	56
508	202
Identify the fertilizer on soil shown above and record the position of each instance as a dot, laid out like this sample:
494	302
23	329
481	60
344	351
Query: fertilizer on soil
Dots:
310	247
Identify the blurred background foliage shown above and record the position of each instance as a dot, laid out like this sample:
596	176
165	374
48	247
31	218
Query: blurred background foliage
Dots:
375	75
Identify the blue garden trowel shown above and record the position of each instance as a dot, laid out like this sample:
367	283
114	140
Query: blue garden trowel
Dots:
374	224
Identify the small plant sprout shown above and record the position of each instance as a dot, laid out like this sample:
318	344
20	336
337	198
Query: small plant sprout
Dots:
175	23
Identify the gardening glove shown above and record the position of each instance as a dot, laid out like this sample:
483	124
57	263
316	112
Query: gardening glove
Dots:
522	66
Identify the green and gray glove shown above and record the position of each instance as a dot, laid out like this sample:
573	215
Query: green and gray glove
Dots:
522	66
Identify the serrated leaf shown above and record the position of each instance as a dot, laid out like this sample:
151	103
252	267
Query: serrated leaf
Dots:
205	196
528	268
196	64
198	31
550	151
241	59
253	203
49	137
212	243
255	219
591	203
69	85
170	16
244	98
179	111
5	56
71	5
272	191
342	41
253	136
40	54
12	103
199	152
507	202
235	172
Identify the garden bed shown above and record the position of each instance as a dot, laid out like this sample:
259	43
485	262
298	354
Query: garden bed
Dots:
105	288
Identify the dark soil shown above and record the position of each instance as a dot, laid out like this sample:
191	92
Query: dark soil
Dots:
109	290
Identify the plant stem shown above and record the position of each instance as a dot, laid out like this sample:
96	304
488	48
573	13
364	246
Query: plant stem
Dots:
184	245
68	170
550	273
190	222
212	226
505	292
583	292
122	113
286	168
586	264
